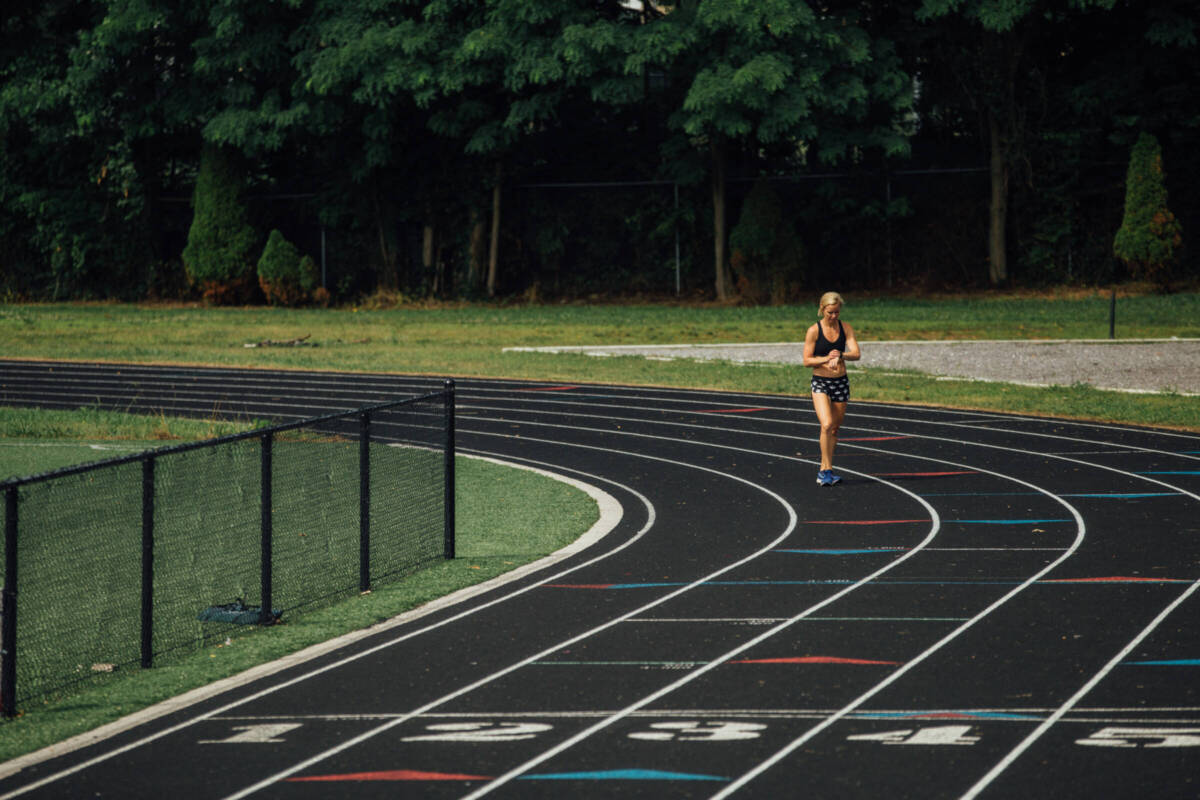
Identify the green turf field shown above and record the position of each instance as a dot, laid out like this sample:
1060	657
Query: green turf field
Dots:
505	517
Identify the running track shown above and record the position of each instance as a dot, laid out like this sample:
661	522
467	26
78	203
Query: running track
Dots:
988	605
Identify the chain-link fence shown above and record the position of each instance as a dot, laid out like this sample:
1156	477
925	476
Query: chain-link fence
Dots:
124	561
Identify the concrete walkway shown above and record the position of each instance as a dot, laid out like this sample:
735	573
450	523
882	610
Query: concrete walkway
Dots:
1137	365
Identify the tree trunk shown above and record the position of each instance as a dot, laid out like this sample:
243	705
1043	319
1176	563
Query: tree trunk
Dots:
494	248
388	279
429	261
997	253
724	283
476	262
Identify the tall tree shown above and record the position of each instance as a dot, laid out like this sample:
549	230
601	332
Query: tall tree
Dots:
774	73
990	52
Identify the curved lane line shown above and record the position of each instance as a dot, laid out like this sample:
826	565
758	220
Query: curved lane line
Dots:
1074	699
729	655
651	517
283	774
855	704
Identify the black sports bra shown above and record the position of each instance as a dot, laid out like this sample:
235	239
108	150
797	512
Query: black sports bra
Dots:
823	347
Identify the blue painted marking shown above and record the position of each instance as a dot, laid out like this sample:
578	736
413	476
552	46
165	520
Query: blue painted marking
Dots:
623	775
1131	495
844	552
1171	472
978	494
943	715
1007	521
1177	662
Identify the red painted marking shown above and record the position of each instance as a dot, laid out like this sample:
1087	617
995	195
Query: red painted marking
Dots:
814	660
870	438
391	775
1110	579
923	474
548	389
861	521
579	585
730	410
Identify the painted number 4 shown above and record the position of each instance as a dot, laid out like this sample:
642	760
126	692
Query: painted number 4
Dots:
1143	737
938	735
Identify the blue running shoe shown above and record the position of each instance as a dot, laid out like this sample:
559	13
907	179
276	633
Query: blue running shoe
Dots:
834	478
824	477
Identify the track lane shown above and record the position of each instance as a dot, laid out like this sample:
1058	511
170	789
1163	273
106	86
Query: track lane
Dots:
738	429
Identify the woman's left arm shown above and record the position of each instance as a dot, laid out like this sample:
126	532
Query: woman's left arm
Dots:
851	353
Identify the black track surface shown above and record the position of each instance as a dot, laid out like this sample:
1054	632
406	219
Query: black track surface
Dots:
988	605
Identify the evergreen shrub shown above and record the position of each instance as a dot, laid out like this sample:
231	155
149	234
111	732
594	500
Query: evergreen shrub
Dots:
285	277
219	256
767	258
1150	238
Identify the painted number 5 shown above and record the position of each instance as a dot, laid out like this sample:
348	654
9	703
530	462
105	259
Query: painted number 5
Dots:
1143	737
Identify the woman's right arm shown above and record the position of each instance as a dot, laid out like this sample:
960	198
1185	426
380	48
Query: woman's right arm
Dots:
810	344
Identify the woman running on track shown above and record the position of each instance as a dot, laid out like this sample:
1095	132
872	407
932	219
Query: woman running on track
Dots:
828	344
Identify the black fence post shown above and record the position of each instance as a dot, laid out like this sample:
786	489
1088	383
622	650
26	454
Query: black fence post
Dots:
1112	316
8	647
148	562
448	504
364	502
265	614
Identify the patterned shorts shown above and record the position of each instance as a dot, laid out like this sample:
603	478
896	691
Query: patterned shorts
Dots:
838	389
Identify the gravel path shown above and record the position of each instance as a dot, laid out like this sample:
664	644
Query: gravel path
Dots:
1153	365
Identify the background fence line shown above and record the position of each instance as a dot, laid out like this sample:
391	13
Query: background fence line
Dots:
188	534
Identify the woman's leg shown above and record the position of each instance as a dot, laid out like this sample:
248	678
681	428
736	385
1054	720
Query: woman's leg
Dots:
826	416
837	412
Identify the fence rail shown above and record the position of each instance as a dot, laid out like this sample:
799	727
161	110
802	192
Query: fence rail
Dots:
124	561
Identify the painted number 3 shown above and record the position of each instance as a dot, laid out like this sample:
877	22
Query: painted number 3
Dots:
699	731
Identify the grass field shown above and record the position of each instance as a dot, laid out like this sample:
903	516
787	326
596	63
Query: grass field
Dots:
469	340
505	518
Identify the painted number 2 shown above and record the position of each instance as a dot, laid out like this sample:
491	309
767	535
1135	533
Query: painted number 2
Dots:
480	732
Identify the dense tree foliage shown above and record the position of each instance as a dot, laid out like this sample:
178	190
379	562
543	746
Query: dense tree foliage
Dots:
572	147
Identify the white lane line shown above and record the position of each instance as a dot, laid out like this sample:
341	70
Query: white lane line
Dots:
791	515
651	516
911	664
223	380
1049	568
1066	707
724	657
845	428
846	444
1080	534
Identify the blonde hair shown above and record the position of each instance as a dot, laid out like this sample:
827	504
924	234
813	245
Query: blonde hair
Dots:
829	299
